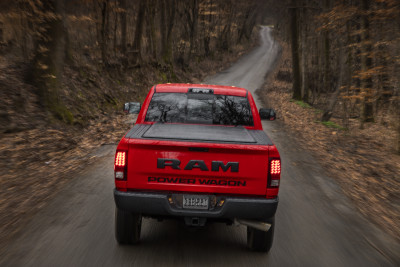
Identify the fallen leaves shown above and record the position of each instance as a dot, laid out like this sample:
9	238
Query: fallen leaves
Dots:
36	163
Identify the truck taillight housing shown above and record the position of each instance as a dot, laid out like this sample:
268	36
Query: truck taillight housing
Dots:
120	159
120	165
274	173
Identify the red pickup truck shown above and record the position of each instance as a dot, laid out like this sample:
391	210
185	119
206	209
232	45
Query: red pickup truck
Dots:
197	153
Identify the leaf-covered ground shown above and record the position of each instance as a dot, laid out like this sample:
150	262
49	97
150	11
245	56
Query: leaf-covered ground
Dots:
35	164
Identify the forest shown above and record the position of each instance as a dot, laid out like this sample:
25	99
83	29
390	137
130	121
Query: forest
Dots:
67	67
346	58
118	38
345	53
337	89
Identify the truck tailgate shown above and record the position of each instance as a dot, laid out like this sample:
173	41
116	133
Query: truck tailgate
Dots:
197	167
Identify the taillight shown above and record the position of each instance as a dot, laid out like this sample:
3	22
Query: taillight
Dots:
120	159
120	165
274	172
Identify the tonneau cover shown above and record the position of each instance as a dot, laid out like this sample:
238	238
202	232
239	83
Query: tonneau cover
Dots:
199	133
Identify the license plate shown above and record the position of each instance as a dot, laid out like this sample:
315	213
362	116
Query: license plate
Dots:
195	202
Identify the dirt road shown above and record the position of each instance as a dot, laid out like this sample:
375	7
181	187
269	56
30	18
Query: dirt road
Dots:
316	224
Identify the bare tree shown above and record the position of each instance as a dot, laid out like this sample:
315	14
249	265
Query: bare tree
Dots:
123	15
104	30
295	50
151	10
327	52
137	45
192	14
167	21
248	22
366	65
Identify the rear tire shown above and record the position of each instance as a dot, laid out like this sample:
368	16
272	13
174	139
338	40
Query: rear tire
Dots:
127	227
258	240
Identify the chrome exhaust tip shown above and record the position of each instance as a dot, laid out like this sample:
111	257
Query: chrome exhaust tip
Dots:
262	226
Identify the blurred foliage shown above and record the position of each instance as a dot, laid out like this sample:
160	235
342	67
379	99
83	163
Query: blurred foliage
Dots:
348	57
114	40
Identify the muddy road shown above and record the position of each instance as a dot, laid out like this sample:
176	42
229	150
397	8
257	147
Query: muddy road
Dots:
316	224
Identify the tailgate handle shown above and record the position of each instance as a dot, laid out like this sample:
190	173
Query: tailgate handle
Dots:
198	149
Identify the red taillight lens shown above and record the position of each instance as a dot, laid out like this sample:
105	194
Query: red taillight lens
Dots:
274	172
275	166
120	165
120	159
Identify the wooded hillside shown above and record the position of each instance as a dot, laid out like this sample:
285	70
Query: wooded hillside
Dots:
346	58
54	43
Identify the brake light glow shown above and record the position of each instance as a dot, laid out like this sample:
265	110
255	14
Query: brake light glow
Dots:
275	166
274	176
120	159
120	165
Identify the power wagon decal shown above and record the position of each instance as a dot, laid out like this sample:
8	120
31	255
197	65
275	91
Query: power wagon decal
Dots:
201	181
216	166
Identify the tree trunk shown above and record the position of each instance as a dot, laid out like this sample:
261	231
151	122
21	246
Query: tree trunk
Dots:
163	25
104	31
207	31
123	16
1	32
397	110
304	58
224	37
366	64
349	76
327	54
326	116
48	62
295	51
397	92
248	24
167	21
137	45
327	72
151	14
115	39
192	17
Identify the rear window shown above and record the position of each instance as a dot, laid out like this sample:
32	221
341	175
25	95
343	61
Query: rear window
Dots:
199	109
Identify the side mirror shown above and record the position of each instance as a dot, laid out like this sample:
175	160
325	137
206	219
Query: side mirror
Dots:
267	114
132	107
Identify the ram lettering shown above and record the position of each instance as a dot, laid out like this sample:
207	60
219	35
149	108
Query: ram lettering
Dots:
215	165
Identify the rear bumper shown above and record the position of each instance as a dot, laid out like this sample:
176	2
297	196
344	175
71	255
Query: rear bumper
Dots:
157	204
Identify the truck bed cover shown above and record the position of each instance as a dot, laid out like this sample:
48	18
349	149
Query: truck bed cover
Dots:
199	133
